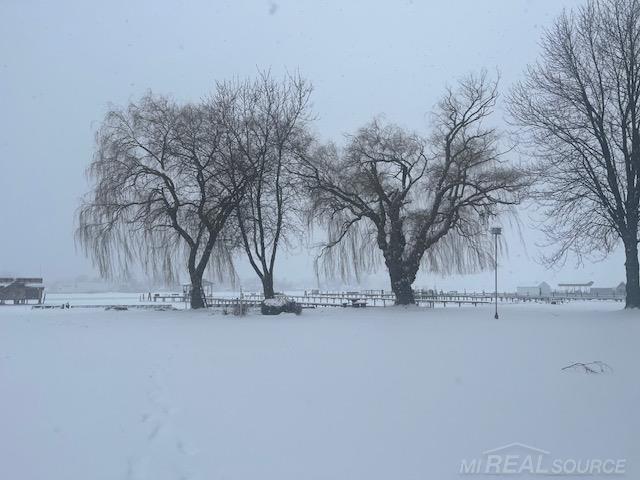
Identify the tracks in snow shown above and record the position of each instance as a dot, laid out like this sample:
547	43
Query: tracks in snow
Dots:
165	454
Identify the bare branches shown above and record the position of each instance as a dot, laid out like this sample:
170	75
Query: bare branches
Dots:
163	189
590	367
393	196
579	108
267	121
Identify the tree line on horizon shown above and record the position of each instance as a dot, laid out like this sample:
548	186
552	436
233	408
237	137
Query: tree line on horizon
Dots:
192	185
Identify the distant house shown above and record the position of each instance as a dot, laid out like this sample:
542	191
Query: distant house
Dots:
545	289
21	290
619	291
602	291
541	290
575	287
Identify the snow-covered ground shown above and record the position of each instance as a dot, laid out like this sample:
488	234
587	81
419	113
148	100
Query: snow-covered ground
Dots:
332	394
109	298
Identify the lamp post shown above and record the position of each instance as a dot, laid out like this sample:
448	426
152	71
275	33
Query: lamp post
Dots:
495	231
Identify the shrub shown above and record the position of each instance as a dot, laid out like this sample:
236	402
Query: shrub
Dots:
240	309
276	306
293	307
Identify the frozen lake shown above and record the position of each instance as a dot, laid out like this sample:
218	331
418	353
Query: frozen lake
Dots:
395	393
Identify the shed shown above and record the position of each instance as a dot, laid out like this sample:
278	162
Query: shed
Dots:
21	290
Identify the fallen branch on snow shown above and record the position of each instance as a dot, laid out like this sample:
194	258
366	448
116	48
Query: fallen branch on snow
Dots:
590	367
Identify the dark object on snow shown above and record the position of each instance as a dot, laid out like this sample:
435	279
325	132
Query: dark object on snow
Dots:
117	307
355	303
276	306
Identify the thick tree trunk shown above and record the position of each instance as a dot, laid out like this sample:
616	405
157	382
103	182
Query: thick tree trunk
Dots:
401	274
196	270
401	284
403	292
267	285
633	273
197	294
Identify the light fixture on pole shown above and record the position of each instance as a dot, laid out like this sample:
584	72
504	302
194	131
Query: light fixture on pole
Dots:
495	231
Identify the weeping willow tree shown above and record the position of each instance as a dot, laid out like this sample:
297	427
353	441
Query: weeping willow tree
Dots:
394	197
165	180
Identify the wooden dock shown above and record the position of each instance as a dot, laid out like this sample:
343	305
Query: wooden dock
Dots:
333	299
381	298
346	300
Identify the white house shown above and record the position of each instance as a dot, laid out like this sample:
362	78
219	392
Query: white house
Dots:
542	290
619	291
602	291
575	287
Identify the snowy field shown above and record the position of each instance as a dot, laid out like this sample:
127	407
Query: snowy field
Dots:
366	394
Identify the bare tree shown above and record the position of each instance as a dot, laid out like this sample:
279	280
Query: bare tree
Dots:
268	121
393	196
580	109
165	180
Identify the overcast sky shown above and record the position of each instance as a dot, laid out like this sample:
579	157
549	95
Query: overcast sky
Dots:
62	63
